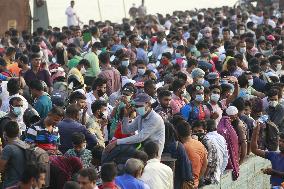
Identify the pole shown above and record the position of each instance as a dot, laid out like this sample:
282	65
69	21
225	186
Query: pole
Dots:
100	12
124	8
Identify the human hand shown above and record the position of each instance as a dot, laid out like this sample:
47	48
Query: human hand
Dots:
111	146
268	171
214	115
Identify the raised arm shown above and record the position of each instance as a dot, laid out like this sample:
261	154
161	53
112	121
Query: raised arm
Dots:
254	145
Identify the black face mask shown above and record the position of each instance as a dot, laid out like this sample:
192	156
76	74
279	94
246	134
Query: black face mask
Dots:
100	93
200	136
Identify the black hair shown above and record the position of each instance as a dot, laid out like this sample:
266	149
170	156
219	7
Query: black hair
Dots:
97	105
239	103
90	173
58	111
32	171
98	83
24	59
13	86
12	100
12	129
183	129
108	172
255	69
198	123
211	125
84	62
272	92
149	83
182	76
191	62
177	84
140	62
36	85
78	138
164	93
152	149
72	110
274	58
71	185
170	133
104	58
76	96
141	155
243	81
10	50
97	152
72	50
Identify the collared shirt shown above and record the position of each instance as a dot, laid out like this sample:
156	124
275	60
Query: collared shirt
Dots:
157	175
40	135
176	103
109	185
43	105
74	62
127	181
222	153
158	48
94	69
42	75
67	127
142	55
165	113
95	128
85	156
151	127
76	72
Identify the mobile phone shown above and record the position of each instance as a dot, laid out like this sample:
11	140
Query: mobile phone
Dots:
263	119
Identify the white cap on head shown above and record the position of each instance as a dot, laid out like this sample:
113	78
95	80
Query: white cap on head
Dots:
232	110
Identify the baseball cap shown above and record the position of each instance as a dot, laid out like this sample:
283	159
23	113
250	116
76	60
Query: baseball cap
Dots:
141	99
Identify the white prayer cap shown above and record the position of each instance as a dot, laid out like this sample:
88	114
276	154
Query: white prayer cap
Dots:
232	110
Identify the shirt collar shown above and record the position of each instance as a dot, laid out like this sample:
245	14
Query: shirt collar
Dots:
154	160
149	115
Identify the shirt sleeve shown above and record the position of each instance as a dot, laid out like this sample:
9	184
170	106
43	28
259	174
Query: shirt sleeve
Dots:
31	135
270	155
129	128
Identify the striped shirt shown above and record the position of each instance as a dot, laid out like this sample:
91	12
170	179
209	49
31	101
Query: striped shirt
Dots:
44	139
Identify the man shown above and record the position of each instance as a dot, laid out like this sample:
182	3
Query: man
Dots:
80	99
45	133
156	174
98	93
12	162
164	109
142	52
148	123
109	73
275	110
98	121
132	49
275	64
43	102
36	73
33	177
150	89
72	18
108	174
196	152
178	101
13	87
141	69
9	56
70	125
93	71
221	147
79	71
87	178
130	179
160	45
276	158
73	58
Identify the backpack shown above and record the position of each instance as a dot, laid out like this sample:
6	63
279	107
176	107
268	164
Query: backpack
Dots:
271	133
35	155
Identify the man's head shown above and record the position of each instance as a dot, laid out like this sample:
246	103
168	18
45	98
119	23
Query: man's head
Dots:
150	88
36	88
232	112
84	64
87	178
198	93
13	86
99	109
152	149
78	98
198	76
226	34
178	87
73	112
275	62
35	60
3	64
141	67
134	41
108	172
97	152
71	185
199	129
104	58
11	130
215	93
72	3
142	104
183	129
134	167
11	53
16	106
79	142
232	65
211	125
273	98
55	115
34	176
165	97
99	86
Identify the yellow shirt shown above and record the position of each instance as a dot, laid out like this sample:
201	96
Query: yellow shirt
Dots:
75	71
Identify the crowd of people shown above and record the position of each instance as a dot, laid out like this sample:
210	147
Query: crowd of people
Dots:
157	102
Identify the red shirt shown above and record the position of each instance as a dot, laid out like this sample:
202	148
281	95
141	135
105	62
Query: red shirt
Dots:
109	185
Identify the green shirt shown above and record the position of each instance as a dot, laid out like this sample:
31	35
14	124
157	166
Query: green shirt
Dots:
94	69
74	61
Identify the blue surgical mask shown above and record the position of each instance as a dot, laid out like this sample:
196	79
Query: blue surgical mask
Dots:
141	111
141	71
199	98
18	111
178	55
125	63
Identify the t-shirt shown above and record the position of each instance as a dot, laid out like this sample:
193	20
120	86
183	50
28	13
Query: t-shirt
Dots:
43	105
15	158
196	153
277	162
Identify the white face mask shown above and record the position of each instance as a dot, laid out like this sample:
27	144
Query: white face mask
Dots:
141	71
83	70
215	97
200	81
278	67
250	82
105	114
273	103
242	32
243	50
125	63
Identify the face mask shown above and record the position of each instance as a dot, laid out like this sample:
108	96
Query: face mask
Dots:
242	32
128	98
141	71
250	82
125	63
178	55
215	97
199	98
175	45
200	81
141	111
273	103
278	67
105	115
83	70
242	50
200	136
18	111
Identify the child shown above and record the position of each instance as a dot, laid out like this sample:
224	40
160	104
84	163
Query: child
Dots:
79	150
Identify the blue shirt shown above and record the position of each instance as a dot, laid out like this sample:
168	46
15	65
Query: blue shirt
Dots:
43	105
259	84
67	127
142	55
127	181
277	162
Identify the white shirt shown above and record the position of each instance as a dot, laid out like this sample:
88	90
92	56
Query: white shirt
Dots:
157	175
72	19
222	152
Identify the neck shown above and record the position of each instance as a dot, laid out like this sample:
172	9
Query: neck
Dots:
11	140
25	186
185	139
147	113
35	69
213	102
